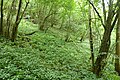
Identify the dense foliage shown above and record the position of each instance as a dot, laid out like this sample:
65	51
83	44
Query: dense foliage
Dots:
45	56
51	40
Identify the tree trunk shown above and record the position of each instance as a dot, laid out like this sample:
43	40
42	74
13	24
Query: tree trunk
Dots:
91	38
15	27
101	59
108	25
14	32
117	58
1	20
9	18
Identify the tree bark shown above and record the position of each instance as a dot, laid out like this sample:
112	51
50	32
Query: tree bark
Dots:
117	57
103	52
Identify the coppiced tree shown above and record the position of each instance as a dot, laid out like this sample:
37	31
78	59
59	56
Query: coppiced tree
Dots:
108	22
9	24
18	19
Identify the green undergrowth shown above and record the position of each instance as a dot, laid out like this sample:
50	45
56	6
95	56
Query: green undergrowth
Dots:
45	56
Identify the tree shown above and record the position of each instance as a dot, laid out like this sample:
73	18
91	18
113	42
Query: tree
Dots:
44	11
108	25
1	20
18	19
8	24
91	38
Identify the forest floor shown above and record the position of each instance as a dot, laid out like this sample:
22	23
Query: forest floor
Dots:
46	56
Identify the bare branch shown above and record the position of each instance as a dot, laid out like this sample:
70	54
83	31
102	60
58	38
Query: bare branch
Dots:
27	2
18	12
97	14
104	12
114	22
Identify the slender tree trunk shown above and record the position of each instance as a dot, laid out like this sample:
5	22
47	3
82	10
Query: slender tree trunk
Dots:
1	22
91	38
18	19
15	27
117	58
44	20
67	37
9	17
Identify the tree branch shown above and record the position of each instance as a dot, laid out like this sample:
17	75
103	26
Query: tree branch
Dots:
18	12
104	12
27	2
116	17
97	14
31	33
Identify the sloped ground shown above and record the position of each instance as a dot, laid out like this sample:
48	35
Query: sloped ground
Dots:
44	56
